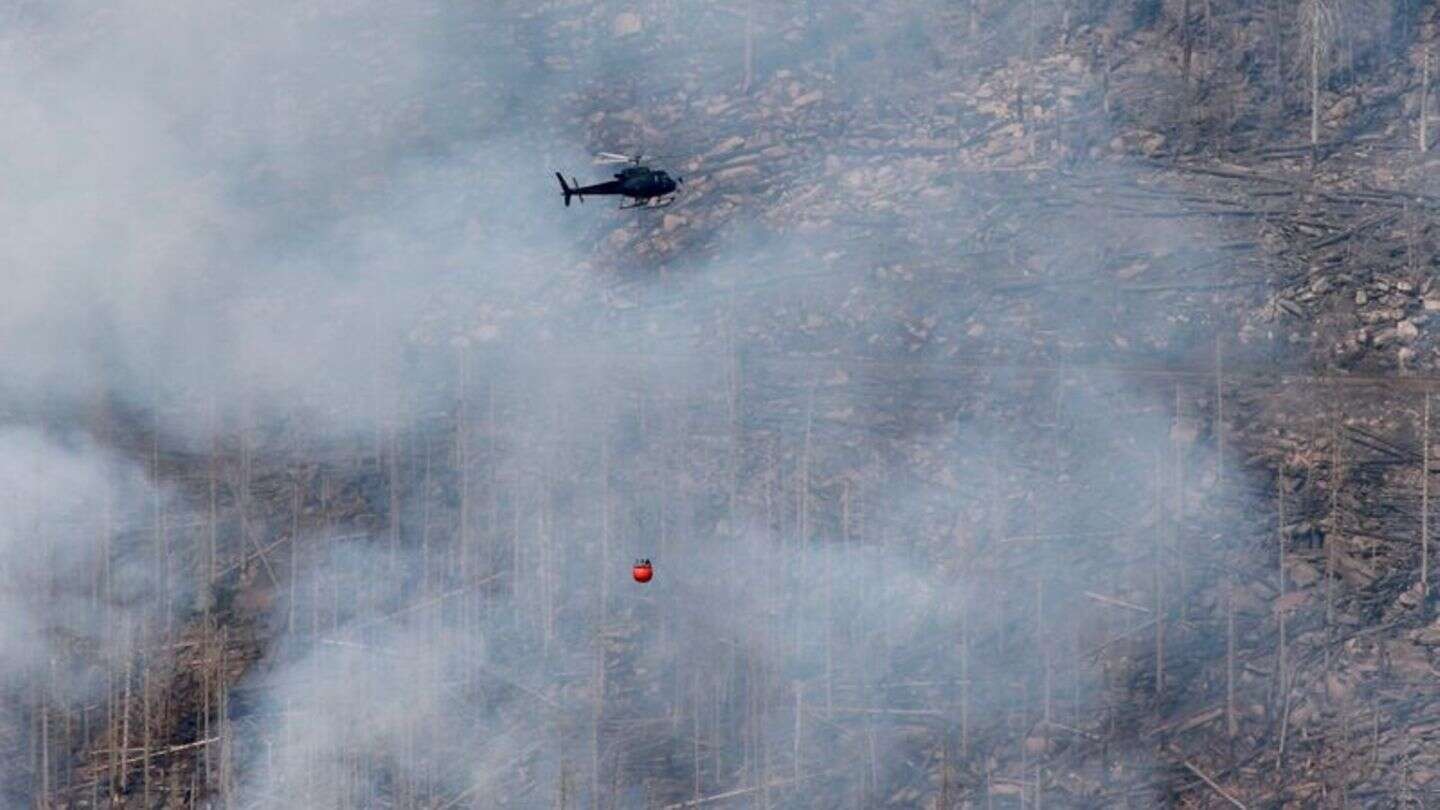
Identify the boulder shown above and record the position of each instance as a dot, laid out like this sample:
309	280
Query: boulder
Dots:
1303	573
1151	144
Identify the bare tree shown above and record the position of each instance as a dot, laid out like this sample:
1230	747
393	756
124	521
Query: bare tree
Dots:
1425	101
1425	501
1317	29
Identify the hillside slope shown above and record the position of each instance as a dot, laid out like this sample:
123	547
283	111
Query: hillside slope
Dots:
1024	405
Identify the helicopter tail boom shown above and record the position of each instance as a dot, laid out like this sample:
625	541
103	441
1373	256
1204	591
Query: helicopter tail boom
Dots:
566	190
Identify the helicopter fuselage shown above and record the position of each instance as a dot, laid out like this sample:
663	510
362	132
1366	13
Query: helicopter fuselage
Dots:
639	183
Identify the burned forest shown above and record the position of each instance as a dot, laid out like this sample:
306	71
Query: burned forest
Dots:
1023	403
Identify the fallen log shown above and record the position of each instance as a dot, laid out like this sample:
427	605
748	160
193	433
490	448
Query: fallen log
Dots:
1211	782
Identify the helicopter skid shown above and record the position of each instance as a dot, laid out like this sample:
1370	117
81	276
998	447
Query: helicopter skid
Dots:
653	202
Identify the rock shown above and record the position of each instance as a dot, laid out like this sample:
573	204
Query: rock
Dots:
728	145
1290	601
1009	131
672	221
1354	570
619	238
1339	686
807	99
1303	573
1302	714
1408	660
1152	144
1410	599
1429	636
1432	303
1407	331
1382	315
1341	110
1132	270
736	173
626	24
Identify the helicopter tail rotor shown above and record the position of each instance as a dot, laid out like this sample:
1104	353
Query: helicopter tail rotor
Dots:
572	190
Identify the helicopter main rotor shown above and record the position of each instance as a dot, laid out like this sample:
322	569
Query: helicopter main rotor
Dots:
602	158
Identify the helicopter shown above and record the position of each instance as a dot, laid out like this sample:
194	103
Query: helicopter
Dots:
644	186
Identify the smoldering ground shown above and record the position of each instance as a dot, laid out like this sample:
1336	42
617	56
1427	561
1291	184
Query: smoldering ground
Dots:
81	587
772	625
